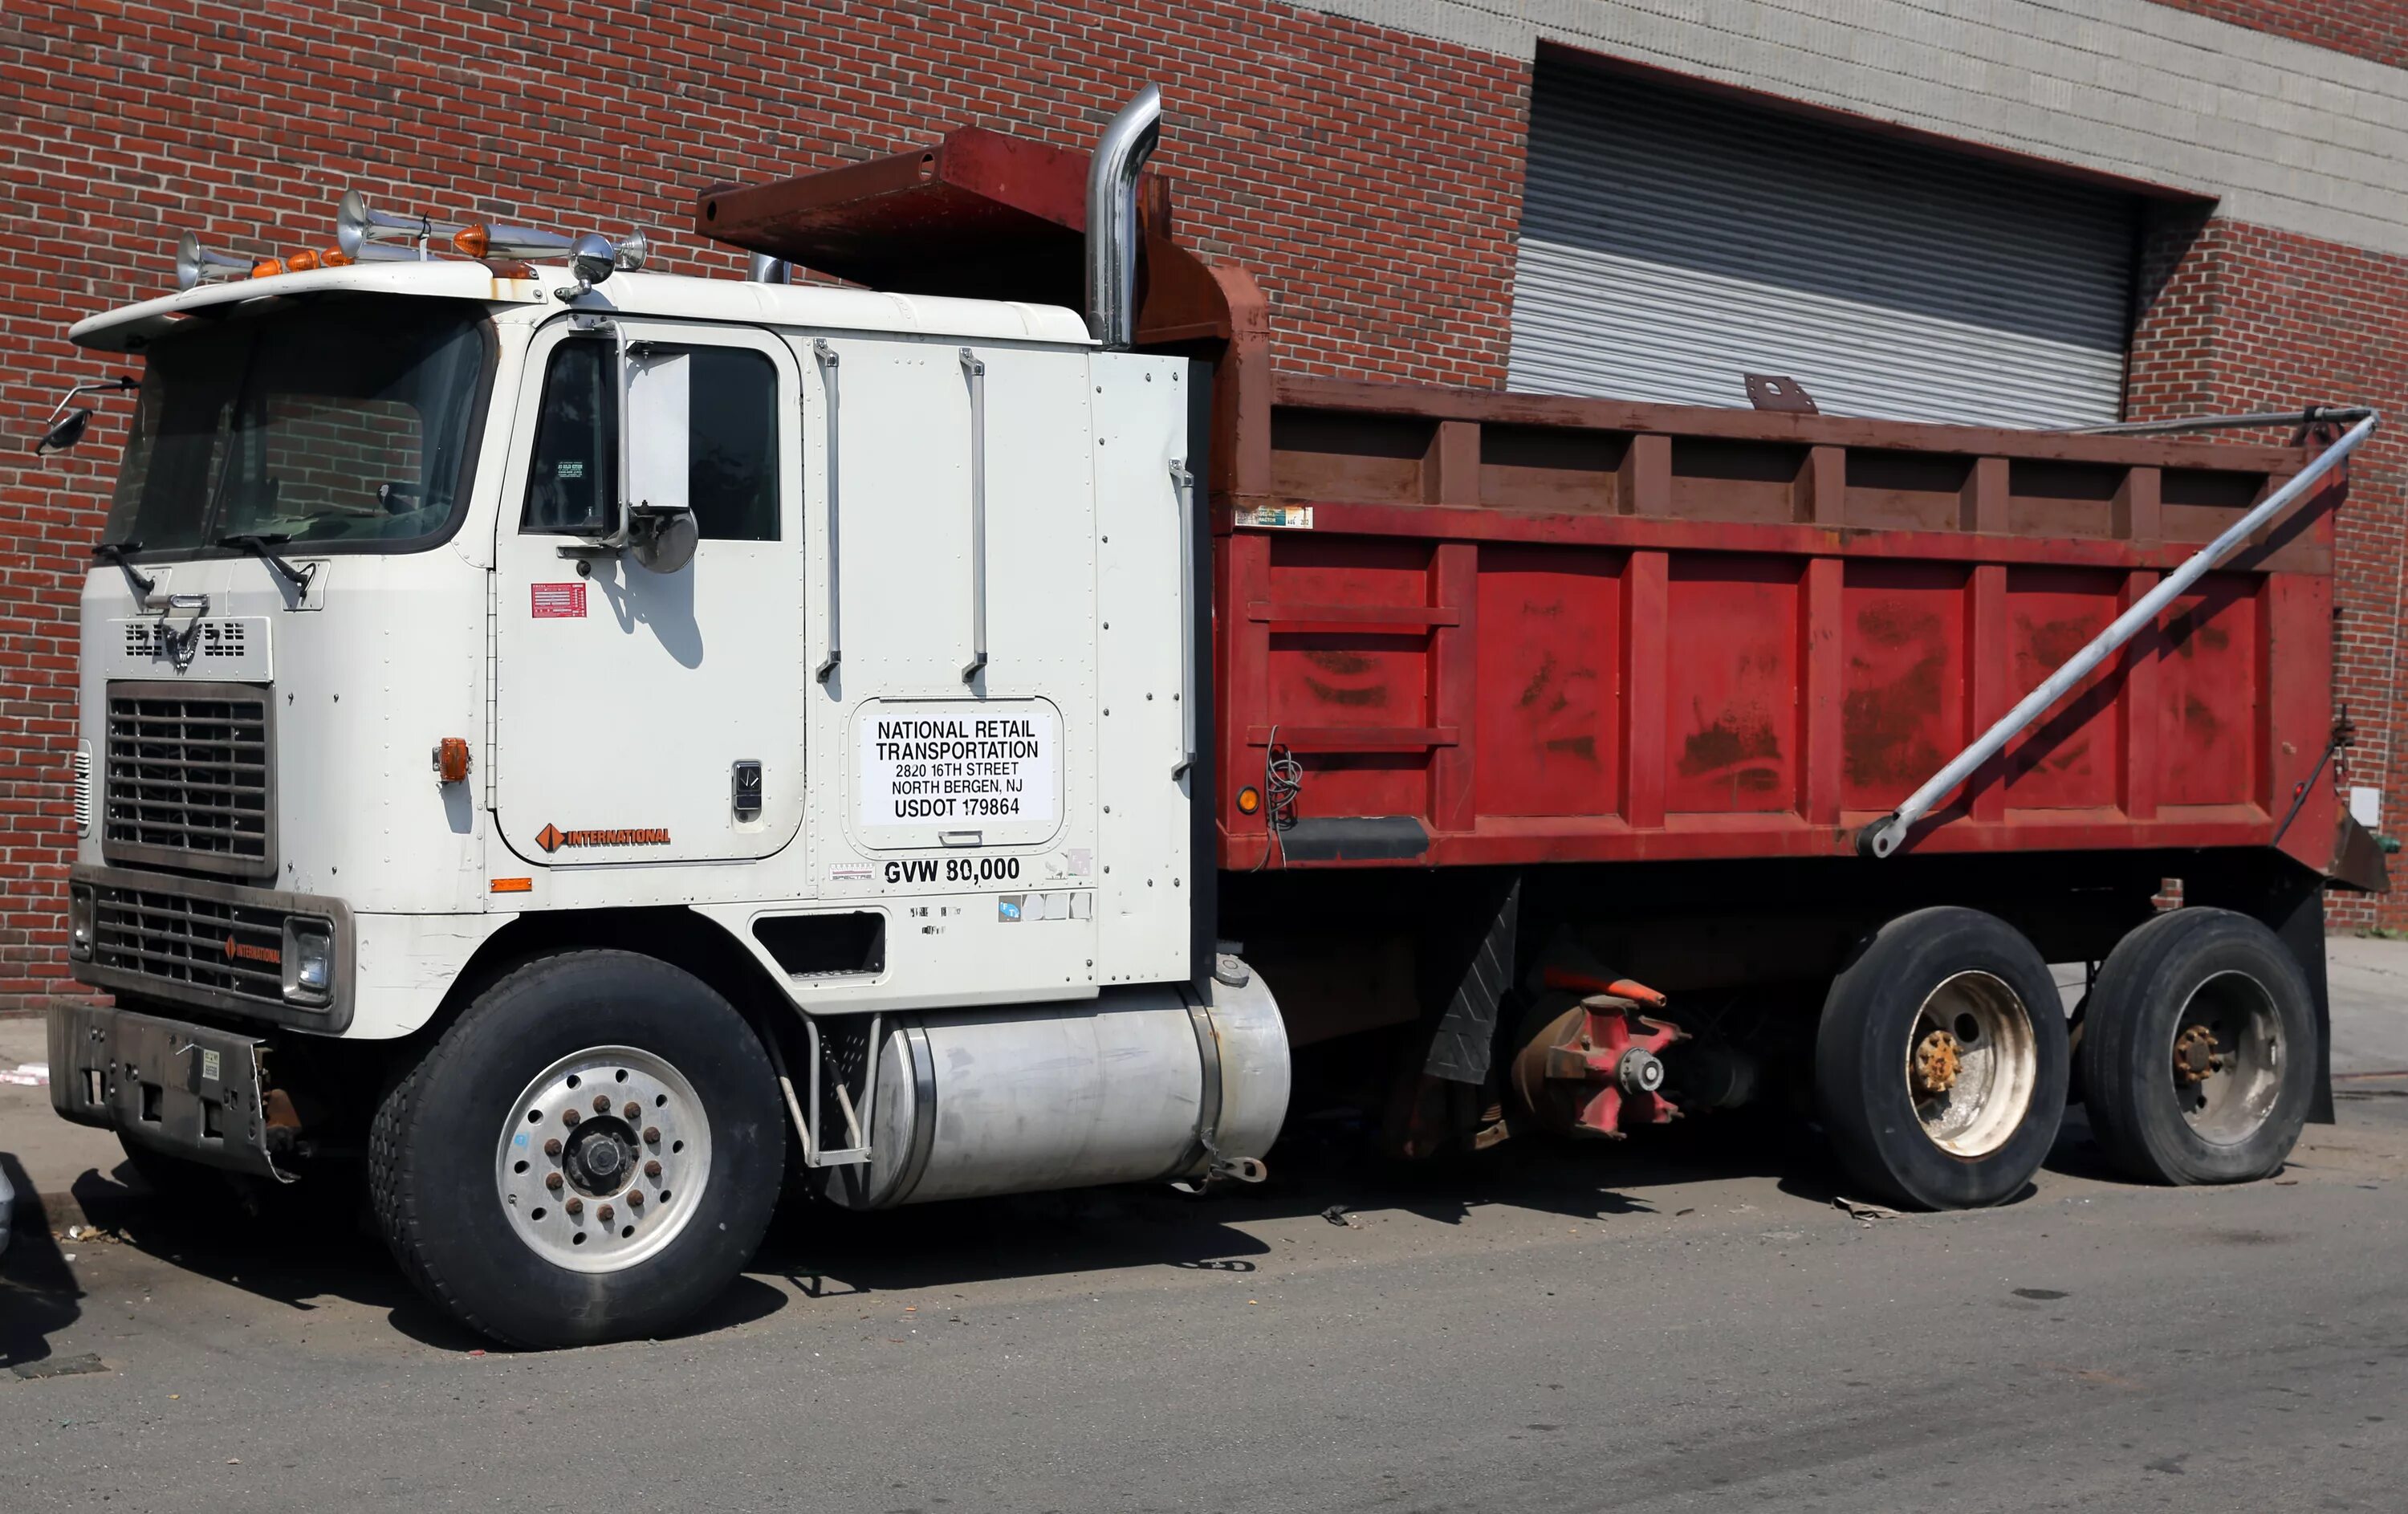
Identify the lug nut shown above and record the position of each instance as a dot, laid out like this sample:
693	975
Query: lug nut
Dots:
606	1214
552	1148
653	1168
552	1181
652	1135
633	1110
568	1116
601	1104
575	1206
634	1197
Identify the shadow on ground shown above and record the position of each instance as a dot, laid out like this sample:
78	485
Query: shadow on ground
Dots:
299	1249
1318	1171
38	1295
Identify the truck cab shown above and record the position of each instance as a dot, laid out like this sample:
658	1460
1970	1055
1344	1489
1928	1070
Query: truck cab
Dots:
801	681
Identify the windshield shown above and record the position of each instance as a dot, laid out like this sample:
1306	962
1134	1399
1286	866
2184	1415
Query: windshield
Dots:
331	421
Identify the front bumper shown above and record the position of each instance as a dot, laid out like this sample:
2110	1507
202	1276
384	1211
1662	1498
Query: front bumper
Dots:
183	1089
210	945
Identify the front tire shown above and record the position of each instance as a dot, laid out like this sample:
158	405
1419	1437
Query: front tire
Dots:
590	1152
2199	1052
1940	1065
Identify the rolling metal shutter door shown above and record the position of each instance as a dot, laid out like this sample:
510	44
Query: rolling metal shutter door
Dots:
1670	244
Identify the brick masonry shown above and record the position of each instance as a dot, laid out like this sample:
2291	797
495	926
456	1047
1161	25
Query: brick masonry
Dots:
1371	177
2239	318
2375	29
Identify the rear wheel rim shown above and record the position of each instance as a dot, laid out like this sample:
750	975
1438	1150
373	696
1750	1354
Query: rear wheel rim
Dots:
602	1158
1972	1064
2225	1059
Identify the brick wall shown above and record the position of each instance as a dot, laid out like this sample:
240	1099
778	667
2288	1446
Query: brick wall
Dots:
2240	318
2372	29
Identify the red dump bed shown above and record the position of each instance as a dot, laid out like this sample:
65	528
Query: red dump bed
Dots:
1503	628
1553	629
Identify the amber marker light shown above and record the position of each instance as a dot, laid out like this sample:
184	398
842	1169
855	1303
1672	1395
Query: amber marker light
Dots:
451	759
514	886
1250	800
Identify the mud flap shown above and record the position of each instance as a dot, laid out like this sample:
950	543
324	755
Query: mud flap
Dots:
1460	1048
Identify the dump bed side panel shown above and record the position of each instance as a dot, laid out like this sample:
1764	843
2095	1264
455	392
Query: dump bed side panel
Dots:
1504	630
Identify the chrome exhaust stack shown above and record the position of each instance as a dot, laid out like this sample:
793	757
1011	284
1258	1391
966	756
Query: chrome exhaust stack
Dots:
766	269
1119	155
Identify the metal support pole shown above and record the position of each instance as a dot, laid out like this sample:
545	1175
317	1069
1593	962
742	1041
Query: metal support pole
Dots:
1886	836
829	361
2312	415
974	370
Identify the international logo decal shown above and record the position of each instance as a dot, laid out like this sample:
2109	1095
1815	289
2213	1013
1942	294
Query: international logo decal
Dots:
248	953
552	838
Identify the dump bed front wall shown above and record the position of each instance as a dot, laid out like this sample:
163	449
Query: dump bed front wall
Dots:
1552	630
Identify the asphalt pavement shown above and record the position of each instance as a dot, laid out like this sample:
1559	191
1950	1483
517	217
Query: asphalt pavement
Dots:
1671	1323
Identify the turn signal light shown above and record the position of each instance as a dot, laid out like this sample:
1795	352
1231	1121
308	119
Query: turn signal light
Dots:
472	240
301	261
451	759
266	267
514	886
1250	800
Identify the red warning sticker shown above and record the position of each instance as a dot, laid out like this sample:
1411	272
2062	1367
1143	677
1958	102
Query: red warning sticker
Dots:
559	601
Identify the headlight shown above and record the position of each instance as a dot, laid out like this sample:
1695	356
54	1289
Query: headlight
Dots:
308	961
79	922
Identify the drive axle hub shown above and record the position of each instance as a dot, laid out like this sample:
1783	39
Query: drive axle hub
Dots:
1596	1068
2196	1056
1640	1072
1937	1062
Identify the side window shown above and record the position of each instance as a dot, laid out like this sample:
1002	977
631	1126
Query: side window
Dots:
732	443
732	470
573	479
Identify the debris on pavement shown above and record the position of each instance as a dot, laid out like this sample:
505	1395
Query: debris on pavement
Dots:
27	1074
1337	1214
1867	1213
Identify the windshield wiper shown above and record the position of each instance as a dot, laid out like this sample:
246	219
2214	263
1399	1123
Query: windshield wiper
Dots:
122	554
265	547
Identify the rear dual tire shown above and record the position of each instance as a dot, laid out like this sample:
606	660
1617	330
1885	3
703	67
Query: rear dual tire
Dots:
1940	1061
2199	1050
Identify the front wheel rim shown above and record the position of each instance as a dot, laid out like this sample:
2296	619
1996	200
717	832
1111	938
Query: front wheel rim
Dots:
1972	1064
603	1156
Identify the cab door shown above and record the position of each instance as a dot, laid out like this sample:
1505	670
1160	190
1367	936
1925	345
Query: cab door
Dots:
644	716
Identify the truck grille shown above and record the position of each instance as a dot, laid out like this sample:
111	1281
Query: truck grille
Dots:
188	778
206	943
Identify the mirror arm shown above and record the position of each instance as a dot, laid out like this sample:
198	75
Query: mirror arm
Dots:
123	383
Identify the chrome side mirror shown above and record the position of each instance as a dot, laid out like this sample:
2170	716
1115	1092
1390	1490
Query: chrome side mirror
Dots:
661	538
65	427
65	432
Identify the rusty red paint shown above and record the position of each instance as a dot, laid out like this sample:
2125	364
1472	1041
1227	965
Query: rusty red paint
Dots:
1564	629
